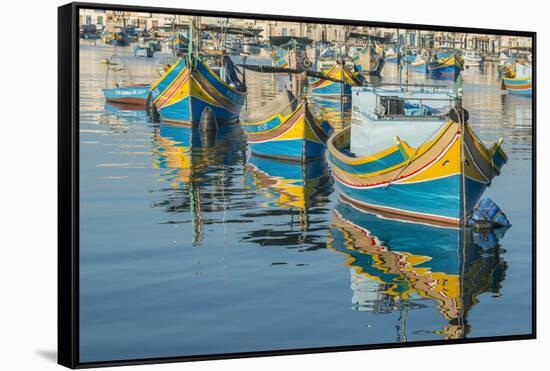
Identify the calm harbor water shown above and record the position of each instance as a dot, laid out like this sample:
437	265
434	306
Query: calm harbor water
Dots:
190	246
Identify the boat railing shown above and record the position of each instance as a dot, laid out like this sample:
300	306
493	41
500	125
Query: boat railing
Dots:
393	107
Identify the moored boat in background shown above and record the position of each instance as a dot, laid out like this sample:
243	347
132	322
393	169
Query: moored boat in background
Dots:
518	79
120	87
333	89
116	38
446	68
369	60
191	85
285	128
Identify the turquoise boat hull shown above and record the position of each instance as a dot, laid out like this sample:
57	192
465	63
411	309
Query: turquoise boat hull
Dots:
203	90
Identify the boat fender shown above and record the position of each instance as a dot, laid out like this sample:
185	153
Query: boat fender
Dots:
487	215
208	121
151	109
454	114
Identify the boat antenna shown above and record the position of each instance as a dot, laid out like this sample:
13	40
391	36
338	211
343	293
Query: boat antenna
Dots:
399	62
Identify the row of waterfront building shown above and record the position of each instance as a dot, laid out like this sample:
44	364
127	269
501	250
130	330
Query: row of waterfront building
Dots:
487	43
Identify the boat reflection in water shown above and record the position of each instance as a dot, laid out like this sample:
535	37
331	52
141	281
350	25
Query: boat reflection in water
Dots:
299	190
337	112
119	117
200	167
396	265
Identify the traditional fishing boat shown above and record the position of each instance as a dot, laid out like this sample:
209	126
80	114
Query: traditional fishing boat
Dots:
446	68
285	129
116	38
396	266
369	60
410	153
334	89
192	84
518	79
331	98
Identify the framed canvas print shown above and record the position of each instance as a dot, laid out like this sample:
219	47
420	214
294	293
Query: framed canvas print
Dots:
236	185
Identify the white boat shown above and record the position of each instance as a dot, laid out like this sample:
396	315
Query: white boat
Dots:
472	59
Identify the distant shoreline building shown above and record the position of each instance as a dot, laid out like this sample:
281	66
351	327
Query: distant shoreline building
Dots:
339	34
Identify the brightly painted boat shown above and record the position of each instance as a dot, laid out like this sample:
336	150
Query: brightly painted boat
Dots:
332	89
332	100
399	266
285	129
190	85
518	79
135	94
408	155
370	60
446	68
116	38
288	185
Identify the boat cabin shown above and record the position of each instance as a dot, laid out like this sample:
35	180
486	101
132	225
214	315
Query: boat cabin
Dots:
412	113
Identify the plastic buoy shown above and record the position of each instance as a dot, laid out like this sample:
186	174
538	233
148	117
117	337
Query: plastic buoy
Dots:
208	121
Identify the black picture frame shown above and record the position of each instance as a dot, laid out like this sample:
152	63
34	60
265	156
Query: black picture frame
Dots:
68	184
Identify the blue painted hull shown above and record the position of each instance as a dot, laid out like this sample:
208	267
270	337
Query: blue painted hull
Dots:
190	110
127	95
444	72
226	103
438	197
292	149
